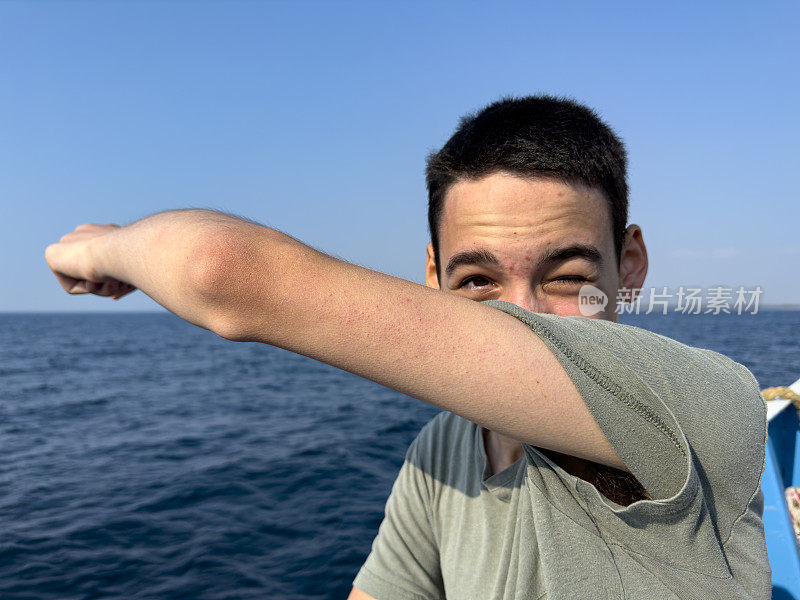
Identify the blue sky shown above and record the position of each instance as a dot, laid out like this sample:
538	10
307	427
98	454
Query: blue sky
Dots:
316	117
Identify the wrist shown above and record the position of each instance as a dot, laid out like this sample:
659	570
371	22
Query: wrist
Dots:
101	265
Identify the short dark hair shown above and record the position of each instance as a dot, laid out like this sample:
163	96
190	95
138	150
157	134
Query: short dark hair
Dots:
533	136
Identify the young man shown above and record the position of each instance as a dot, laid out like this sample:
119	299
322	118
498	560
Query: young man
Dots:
579	458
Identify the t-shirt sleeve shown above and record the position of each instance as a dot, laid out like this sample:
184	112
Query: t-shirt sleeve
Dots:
404	561
682	419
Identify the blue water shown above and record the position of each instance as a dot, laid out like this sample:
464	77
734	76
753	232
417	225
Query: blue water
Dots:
146	458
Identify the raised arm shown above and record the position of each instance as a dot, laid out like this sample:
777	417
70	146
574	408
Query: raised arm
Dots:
251	283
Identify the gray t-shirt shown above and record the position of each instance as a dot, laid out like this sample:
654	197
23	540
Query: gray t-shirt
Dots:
689	423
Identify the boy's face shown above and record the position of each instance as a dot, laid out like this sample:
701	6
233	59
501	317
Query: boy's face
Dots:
533	242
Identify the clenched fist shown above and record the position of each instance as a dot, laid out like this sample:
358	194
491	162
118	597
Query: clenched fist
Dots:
73	263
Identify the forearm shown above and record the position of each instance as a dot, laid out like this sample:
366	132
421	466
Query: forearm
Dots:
166	256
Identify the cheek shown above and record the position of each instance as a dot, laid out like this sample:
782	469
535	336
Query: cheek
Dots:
569	305
566	306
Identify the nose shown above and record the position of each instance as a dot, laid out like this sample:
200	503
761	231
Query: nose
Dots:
524	297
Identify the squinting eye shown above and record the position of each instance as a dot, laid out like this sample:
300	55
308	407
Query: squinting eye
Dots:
569	282
572	279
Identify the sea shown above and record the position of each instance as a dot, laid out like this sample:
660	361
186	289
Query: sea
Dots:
145	458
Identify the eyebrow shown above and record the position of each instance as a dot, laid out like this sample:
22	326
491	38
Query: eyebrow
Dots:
471	257
584	251
483	257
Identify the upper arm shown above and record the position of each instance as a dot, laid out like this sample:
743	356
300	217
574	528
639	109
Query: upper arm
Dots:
454	353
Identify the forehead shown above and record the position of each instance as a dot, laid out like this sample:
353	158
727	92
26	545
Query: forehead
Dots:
506	210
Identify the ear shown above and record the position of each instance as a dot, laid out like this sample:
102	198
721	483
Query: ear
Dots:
633	259
431	277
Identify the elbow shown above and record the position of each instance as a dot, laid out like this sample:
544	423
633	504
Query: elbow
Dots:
235	276
210	259
214	262
231	330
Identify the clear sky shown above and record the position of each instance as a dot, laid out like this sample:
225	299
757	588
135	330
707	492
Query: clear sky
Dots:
316	117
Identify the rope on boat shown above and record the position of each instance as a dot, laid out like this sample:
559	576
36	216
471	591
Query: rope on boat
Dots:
781	392
773	393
